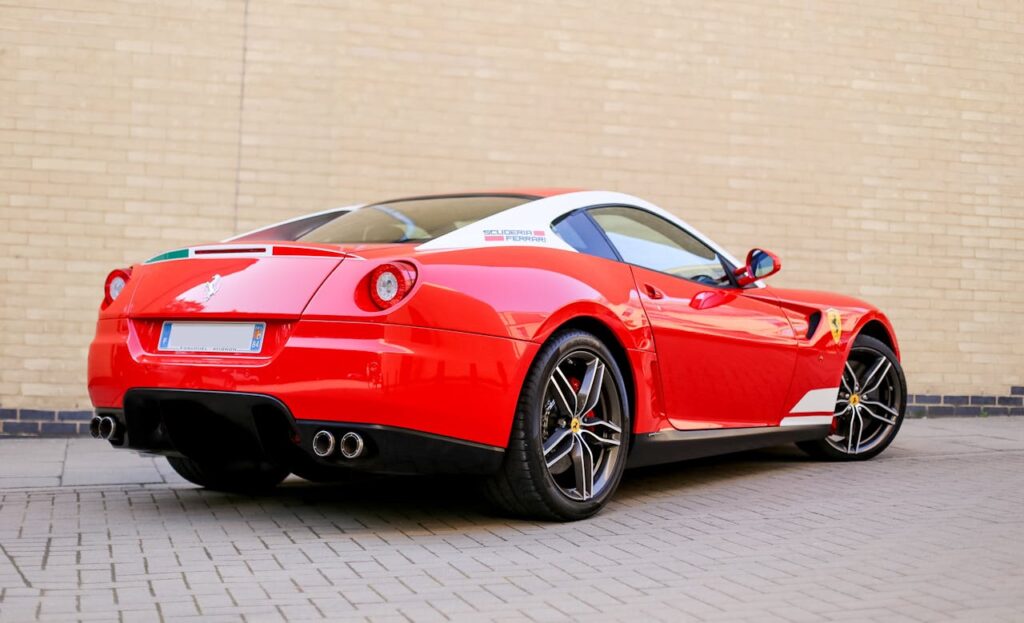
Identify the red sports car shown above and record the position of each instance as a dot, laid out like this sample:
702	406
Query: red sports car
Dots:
541	340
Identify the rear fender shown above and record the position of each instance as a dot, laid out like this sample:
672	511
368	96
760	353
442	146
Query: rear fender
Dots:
514	292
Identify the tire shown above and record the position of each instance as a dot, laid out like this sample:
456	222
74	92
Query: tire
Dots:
888	400
247	477
526	485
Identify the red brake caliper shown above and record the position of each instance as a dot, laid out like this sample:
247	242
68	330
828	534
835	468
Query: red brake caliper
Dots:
576	384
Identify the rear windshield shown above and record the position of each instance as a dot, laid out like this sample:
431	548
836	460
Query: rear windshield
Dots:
410	220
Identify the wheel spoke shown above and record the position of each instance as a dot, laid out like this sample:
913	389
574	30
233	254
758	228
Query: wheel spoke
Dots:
604	441
860	429
564	390
553	442
592	422
849	432
878	383
883	407
590	388
583	464
864	407
870	377
853	379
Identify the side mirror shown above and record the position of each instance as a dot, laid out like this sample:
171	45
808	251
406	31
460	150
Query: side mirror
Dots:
760	264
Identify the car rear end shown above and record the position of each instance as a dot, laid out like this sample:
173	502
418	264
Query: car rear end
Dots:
299	353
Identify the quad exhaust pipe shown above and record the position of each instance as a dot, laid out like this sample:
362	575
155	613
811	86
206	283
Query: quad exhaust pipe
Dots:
350	445
104	427
323	444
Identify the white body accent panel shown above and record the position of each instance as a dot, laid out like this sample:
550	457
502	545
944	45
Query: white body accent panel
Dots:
817	401
806	420
538	215
535	216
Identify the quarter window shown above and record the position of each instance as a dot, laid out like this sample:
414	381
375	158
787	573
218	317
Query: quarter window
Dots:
581	234
649	241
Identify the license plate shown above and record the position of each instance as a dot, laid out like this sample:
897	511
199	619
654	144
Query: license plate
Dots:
213	337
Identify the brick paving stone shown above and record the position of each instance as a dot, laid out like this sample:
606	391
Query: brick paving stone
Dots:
933	529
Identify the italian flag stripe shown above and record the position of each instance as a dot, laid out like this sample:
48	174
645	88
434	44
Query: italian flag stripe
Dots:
177	254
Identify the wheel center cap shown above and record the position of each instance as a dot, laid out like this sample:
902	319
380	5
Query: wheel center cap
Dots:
574	426
854	399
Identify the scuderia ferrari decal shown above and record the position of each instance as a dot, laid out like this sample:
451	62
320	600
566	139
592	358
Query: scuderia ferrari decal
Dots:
835	324
515	235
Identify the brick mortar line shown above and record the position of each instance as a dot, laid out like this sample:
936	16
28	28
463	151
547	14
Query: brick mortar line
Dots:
964	405
44	423
75	423
14	564
241	113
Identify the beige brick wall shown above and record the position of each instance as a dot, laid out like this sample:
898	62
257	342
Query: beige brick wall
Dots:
877	146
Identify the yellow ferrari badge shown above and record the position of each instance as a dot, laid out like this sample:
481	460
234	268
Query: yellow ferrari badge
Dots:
835	324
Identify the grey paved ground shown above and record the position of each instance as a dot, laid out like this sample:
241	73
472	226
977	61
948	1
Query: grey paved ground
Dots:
933	530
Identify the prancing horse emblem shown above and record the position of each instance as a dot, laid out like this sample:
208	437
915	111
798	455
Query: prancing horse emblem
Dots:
835	324
211	287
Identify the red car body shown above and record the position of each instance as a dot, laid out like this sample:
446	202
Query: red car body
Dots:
448	361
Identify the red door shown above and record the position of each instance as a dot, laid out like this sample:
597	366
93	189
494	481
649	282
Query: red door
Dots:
726	354
726	358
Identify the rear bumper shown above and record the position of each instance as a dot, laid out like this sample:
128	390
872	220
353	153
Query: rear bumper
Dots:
448	384
223	427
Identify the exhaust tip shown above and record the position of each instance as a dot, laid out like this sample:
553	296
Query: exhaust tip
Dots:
107	427
94	427
351	445
323	444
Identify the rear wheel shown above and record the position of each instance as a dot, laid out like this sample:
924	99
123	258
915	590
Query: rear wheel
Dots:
241	477
567	450
870	406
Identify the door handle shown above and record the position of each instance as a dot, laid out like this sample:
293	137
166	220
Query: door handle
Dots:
652	292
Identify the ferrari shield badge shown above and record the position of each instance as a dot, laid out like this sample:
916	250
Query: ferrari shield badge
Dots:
211	287
835	324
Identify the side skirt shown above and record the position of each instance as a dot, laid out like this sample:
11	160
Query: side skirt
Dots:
679	445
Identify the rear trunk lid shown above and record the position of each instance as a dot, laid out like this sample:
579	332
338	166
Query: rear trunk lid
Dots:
232	281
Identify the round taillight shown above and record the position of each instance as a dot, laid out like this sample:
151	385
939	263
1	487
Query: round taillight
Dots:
390	283
116	281
116	285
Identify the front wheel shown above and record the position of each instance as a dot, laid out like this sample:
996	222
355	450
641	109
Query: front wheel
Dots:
248	477
569	440
870	406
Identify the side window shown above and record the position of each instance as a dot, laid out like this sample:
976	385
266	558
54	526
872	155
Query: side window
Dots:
650	241
581	234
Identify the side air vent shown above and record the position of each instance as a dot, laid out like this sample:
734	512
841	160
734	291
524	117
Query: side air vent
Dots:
812	323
